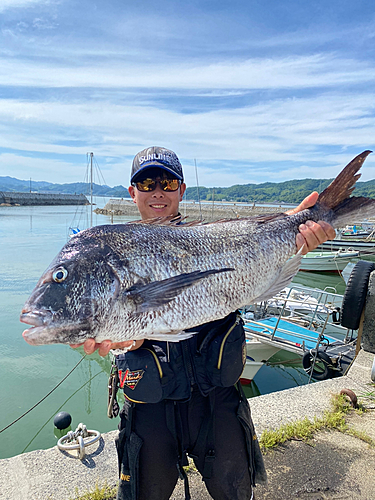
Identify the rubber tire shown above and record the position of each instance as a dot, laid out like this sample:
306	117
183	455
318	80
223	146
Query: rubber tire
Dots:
307	362
355	294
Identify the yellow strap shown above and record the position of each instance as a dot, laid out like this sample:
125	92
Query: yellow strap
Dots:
222	345
156	361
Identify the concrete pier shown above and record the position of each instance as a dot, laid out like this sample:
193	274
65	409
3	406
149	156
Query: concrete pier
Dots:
15	199
333	466
206	210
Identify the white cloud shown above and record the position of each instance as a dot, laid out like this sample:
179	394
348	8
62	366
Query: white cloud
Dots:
245	117
15	4
228	144
277	73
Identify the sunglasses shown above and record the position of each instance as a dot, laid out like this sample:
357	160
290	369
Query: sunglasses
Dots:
150	184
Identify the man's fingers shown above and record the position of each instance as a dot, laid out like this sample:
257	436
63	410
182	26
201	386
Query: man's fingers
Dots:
308	202
104	347
311	241
328	229
313	234
89	346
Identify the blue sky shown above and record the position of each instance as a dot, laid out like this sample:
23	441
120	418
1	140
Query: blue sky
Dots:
252	90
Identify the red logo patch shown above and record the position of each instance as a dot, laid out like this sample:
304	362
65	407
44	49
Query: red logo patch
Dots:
130	379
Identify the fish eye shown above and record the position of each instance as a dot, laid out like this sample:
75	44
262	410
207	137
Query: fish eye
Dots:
60	275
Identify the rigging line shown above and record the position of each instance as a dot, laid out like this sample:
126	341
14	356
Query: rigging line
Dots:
45	397
58	409
199	199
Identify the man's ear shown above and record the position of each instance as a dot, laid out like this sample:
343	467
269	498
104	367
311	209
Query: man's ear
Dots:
132	192
182	190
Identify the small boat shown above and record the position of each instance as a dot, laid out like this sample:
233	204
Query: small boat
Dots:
332	262
362	246
83	219
257	354
323	356
305	321
350	232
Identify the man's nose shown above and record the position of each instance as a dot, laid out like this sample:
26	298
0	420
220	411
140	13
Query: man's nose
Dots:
158	191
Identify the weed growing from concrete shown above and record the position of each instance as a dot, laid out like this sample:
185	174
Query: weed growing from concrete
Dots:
304	430
104	492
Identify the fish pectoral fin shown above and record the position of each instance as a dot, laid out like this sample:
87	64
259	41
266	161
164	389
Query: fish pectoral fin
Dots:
171	337
158	293
288	271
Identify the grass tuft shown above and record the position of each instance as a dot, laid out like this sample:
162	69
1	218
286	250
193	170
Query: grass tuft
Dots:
304	430
103	492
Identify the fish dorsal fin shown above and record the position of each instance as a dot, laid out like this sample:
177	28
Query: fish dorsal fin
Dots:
181	222
341	188
170	220
286	275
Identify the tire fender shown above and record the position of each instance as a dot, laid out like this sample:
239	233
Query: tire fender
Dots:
325	362
355	294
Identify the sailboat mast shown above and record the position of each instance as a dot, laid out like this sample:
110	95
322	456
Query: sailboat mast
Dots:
91	187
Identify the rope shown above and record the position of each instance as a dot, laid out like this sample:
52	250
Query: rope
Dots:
45	397
58	409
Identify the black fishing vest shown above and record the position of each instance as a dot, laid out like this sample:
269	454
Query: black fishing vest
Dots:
213	357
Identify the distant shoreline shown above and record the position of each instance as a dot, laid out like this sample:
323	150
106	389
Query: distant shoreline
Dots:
13	199
193	211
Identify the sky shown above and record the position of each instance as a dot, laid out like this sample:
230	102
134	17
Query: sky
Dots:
249	91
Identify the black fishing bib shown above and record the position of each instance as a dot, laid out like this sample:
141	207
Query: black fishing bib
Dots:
214	357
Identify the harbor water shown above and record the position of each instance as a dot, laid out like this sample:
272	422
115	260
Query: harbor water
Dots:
30	237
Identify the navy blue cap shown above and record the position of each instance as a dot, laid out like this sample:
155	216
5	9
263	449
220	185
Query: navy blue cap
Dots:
156	157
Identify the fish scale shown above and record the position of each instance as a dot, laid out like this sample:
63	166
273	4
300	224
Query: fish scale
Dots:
156	280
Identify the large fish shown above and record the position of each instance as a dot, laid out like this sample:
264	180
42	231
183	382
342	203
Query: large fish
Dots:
134	281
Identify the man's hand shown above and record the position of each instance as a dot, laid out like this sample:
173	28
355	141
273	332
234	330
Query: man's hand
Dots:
90	346
311	233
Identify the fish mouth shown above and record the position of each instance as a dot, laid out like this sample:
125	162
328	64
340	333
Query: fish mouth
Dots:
35	318
39	323
43	332
33	335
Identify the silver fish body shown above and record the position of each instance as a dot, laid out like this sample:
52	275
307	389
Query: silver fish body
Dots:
135	281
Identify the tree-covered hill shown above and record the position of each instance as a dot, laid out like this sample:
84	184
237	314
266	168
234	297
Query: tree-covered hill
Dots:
15	185
283	192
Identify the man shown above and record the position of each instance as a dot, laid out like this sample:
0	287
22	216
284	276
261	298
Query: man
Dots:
177	402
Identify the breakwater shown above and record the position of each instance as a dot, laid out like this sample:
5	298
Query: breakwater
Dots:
207	210
20	199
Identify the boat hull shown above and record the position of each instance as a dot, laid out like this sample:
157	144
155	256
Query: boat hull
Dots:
332	262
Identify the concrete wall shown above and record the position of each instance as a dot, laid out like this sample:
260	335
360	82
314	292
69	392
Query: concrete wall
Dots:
8	198
368	335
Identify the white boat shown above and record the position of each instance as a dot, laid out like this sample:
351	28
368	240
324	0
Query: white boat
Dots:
323	356
360	238
363	246
305	321
356	232
83	219
333	262
257	354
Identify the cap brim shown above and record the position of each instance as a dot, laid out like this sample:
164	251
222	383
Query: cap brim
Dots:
155	164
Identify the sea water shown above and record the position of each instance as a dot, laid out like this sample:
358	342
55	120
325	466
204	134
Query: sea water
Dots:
30	237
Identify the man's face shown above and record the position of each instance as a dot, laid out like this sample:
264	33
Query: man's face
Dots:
157	203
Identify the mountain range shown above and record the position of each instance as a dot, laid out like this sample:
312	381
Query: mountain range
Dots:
15	185
293	191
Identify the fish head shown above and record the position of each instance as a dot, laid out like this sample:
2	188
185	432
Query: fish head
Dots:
73	296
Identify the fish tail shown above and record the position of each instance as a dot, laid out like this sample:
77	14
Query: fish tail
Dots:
347	209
